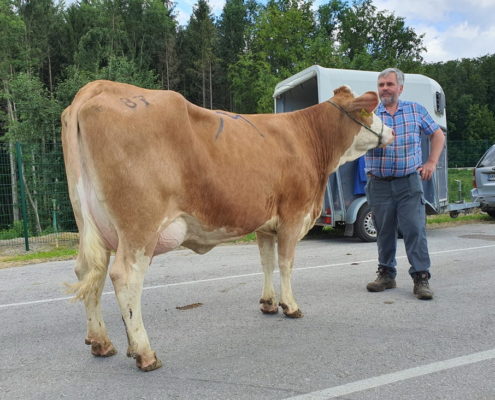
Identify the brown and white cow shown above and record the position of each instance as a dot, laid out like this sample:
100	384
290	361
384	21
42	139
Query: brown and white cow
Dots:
149	171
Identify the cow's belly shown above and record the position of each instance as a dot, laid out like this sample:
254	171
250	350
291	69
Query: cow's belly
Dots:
92	206
191	233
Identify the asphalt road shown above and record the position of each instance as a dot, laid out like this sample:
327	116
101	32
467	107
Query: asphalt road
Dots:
351	344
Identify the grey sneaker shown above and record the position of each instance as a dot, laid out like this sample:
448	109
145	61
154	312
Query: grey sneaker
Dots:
421	286
383	281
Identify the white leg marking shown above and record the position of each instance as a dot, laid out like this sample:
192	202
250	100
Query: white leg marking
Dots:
287	240
128	280
266	246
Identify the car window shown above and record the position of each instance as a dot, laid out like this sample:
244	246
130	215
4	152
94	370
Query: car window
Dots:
488	159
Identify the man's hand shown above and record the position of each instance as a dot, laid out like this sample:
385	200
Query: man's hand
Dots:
427	169
437	140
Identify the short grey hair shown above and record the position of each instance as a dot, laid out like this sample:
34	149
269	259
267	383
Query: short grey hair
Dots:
398	73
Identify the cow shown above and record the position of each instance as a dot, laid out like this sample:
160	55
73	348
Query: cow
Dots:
148	171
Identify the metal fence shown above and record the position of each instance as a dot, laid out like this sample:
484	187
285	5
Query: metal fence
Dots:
35	211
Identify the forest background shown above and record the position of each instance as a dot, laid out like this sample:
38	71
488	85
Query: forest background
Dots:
49	50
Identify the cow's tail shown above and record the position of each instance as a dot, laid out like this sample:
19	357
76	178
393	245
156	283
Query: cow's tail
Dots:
92	262
92	259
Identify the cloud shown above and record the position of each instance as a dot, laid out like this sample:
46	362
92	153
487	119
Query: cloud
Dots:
216	6
184	9
453	29
462	40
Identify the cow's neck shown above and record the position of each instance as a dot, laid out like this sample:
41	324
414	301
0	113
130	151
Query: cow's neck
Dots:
328	135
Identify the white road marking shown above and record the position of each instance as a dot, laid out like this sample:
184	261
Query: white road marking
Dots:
365	384
222	278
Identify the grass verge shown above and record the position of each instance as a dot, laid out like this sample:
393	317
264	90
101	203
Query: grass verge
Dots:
64	253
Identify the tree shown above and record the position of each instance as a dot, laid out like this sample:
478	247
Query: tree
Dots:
283	34
160	39
480	123
232	29
283	42
466	83
44	41
329	16
198	55
12	30
373	39
252	84
81	18
35	112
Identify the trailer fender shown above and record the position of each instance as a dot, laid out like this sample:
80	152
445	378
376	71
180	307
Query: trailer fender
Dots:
352	211
351	215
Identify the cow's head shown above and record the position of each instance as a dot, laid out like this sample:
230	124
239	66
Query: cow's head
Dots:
372	133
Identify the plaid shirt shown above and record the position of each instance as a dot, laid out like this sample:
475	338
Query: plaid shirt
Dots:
403	156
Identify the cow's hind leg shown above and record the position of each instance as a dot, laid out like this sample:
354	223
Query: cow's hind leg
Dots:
96	335
287	240
266	245
127	274
91	270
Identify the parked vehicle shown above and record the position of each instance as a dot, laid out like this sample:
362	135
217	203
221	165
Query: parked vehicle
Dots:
344	200
484	182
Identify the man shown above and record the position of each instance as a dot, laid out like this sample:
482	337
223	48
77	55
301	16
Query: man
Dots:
394	190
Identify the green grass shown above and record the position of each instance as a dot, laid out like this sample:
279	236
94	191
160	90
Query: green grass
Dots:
445	218
15	231
42	255
72	253
246	239
465	176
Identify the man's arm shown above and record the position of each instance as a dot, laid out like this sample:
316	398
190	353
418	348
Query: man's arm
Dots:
437	141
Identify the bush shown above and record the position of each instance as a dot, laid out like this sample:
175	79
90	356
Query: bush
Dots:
17	230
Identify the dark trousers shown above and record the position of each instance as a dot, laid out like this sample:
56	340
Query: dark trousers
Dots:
399	203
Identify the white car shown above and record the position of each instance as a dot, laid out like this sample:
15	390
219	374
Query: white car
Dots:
484	182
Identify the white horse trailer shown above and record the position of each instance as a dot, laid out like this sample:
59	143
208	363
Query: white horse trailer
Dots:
345	202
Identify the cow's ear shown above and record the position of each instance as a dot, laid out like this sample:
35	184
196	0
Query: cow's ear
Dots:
343	90
367	102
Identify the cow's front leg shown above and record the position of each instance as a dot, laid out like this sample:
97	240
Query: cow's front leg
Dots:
287	240
266	245
127	275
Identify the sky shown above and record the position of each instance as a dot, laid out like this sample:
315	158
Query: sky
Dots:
453	29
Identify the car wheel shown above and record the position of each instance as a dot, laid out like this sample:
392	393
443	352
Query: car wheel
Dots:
364	225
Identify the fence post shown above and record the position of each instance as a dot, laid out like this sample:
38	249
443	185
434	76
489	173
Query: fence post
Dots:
54	222
22	189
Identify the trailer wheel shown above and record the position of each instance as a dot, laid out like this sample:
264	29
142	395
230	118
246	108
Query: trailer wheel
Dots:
364	225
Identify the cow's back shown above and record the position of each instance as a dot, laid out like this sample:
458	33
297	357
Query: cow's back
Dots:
150	157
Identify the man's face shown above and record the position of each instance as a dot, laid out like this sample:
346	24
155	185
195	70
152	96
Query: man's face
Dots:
389	90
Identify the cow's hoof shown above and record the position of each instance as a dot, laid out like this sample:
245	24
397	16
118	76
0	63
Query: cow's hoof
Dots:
146	367
267	307
98	349
272	310
295	314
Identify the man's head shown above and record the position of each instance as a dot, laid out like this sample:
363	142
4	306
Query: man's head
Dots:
390	85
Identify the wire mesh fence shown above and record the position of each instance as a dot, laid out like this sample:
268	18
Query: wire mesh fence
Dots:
35	209
466	153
